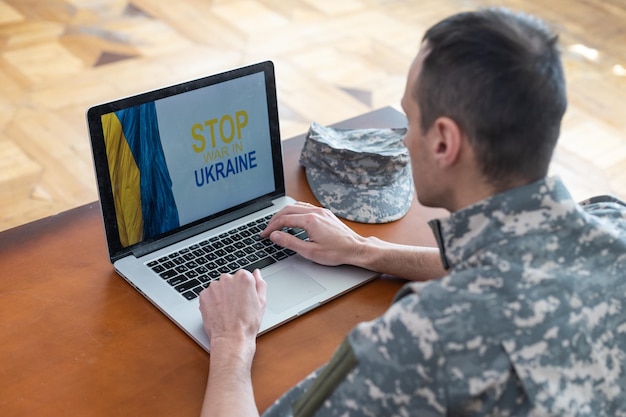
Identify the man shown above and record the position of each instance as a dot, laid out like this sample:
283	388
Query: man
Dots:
528	314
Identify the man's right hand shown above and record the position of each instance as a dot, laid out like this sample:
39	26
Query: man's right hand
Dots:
330	242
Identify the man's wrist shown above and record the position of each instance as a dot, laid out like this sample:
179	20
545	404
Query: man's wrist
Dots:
367	250
236	347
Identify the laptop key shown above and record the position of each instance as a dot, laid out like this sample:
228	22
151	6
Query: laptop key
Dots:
188	285
191	264
179	260
190	295
299	233
170	273
280	255
260	264
179	279
181	269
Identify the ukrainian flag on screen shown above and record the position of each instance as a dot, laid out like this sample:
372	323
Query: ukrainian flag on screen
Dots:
142	187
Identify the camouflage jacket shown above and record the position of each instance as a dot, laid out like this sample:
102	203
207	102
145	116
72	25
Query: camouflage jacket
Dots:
529	320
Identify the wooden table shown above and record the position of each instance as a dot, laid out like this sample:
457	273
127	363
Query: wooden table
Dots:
77	340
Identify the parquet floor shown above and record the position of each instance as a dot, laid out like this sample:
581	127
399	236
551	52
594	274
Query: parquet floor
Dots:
334	60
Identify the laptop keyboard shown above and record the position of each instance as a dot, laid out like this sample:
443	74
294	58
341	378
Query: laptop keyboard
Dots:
192	269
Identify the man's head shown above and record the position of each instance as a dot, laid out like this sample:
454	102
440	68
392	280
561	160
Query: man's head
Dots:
497	75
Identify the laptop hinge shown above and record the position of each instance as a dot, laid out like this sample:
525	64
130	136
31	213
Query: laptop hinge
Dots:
150	247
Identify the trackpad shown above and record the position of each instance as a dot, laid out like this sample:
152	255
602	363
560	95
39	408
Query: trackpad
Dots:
289	287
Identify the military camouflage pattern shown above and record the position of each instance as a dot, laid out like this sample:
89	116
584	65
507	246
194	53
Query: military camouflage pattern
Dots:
363	175
529	321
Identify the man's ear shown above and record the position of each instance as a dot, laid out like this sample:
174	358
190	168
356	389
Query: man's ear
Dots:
448	141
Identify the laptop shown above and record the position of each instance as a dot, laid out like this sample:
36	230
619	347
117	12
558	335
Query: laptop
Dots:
187	177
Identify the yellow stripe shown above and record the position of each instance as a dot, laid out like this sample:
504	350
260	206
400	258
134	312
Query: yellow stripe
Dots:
125	179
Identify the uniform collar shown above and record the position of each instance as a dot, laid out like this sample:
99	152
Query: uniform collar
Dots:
541	205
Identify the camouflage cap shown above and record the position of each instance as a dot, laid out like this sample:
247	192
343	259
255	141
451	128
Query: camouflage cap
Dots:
363	175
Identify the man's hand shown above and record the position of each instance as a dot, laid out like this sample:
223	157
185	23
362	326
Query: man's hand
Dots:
233	306
330	241
232	309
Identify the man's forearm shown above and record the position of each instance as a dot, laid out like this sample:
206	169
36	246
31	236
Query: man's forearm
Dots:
416	263
229	387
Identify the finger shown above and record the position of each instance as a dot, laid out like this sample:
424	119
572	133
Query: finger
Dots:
224	277
296	218
277	221
204	294
286	240
244	274
261	286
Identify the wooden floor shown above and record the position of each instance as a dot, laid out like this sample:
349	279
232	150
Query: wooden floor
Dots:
334	59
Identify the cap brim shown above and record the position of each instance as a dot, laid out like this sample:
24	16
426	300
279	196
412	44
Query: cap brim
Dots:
366	203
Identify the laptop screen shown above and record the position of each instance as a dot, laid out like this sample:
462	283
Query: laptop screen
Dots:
183	155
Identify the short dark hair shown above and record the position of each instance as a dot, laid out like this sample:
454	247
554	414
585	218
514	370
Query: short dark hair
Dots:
498	75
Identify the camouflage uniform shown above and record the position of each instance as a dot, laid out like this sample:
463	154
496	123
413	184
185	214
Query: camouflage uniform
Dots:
530	320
